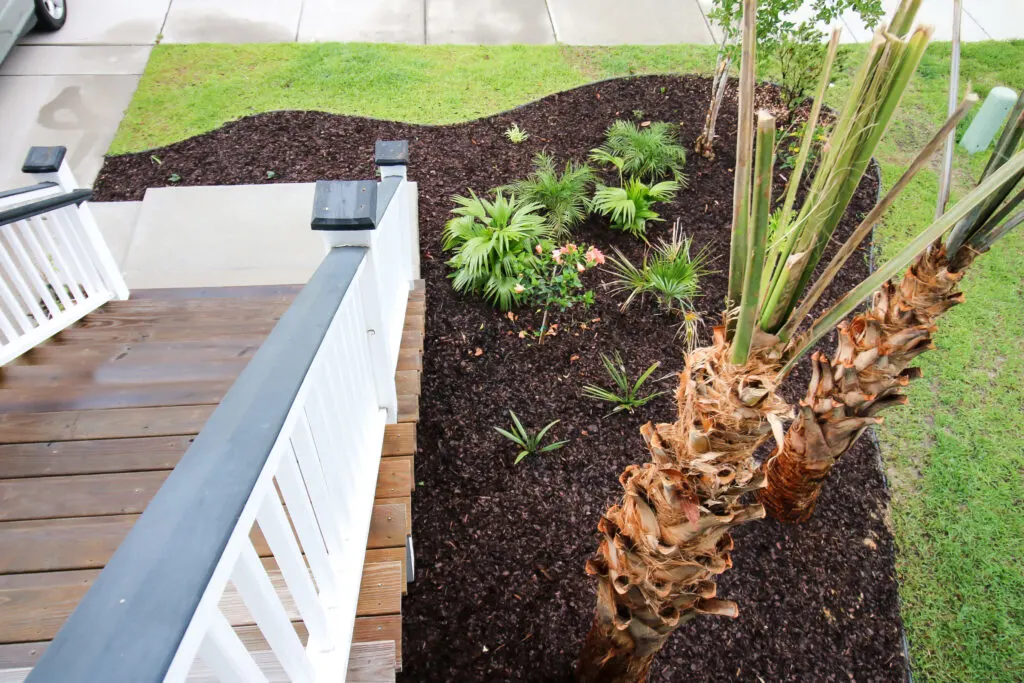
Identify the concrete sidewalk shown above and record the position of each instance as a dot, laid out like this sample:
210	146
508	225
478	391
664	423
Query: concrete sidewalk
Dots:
71	87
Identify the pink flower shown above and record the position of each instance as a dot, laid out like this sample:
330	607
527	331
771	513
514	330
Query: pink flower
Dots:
556	254
539	249
580	267
570	248
594	255
519	289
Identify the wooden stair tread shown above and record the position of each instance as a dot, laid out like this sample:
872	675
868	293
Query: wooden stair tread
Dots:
399	439
380	591
372	662
395	477
387	526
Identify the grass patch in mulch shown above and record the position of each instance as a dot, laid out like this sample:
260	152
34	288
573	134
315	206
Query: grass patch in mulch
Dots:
500	592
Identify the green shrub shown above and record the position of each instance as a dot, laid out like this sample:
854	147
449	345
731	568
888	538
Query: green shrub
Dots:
563	195
629	206
494	244
649	153
670	273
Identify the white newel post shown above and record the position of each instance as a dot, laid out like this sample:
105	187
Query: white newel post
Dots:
377	216
50	164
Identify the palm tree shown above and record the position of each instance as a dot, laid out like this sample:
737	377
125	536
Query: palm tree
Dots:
871	363
664	544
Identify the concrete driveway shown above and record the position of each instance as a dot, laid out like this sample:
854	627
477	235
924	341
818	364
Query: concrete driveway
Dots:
72	87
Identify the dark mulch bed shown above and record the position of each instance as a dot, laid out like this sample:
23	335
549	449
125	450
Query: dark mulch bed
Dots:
500	592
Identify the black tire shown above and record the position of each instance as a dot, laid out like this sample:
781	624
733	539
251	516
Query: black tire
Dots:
51	14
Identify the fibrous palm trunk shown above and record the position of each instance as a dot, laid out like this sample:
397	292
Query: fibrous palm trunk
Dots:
867	373
667	541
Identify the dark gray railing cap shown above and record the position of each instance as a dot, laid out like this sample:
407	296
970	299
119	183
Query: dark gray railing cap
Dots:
44	159
345	205
391	152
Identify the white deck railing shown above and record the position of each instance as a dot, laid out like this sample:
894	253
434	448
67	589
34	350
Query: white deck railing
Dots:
55	266
292	450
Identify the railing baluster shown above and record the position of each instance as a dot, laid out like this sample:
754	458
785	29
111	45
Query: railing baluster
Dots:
301	505
32	236
258	593
324	504
225	654
275	527
31	271
66	274
86	270
14	306
29	305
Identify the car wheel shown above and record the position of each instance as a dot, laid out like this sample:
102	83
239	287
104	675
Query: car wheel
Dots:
50	14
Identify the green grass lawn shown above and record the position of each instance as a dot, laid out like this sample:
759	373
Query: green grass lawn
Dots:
955	455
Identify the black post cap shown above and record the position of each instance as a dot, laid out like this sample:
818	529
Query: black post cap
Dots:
345	205
391	152
44	159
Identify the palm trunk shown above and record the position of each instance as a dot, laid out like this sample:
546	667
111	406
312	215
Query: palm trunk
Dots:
664	545
866	375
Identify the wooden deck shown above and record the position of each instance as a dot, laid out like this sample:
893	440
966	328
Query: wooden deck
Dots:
94	421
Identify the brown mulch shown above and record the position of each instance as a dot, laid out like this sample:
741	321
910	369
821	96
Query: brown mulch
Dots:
500	593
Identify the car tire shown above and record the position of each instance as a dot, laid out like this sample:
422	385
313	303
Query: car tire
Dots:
51	14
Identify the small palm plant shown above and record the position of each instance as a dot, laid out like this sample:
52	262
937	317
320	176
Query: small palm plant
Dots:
629	206
626	395
563	195
493	243
649	153
671	274
529	443
515	134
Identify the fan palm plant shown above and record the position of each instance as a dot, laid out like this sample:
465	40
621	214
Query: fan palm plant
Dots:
670	273
629	206
493	243
563	196
663	546
647	152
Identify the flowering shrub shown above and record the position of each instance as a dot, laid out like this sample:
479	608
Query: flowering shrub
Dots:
555	280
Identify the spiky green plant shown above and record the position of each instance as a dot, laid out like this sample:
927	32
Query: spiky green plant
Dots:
563	196
493	243
516	135
625	395
529	443
670	273
650	153
629	206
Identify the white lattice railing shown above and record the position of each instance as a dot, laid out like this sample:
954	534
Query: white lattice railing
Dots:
293	451
55	266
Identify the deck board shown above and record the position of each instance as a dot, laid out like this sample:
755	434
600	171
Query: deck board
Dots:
92	423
